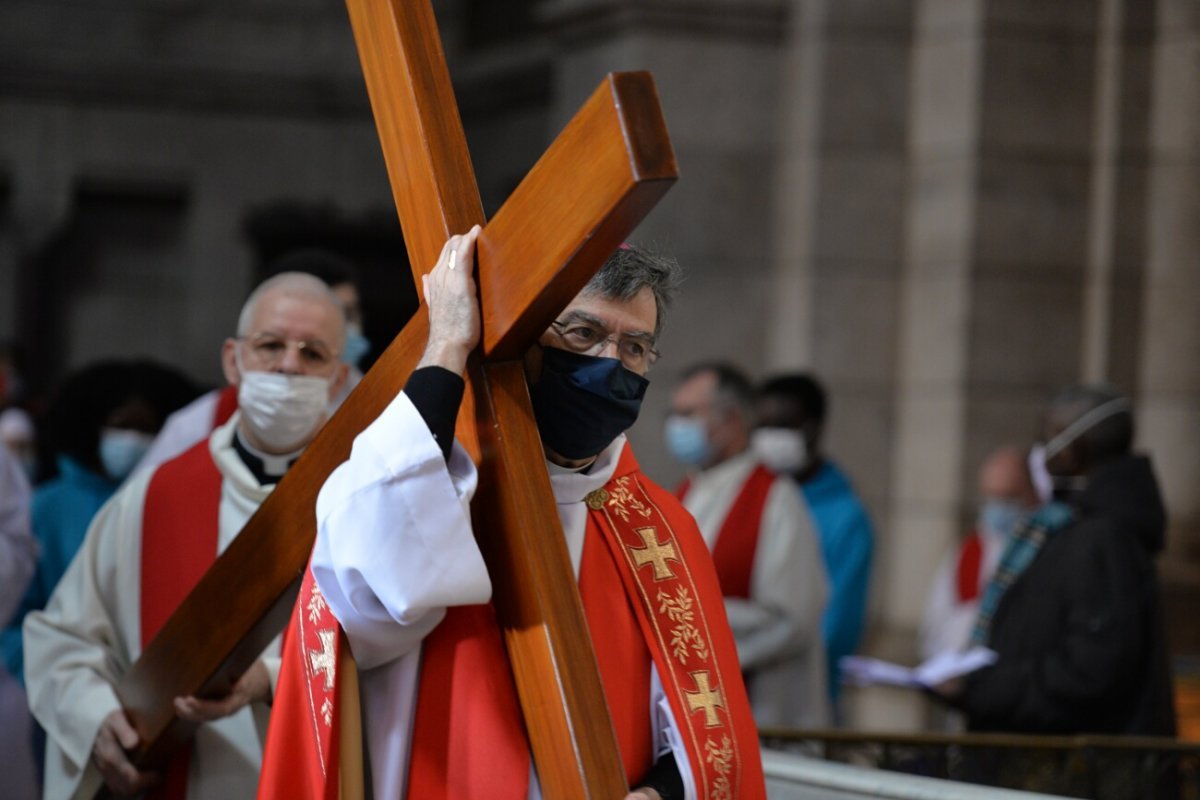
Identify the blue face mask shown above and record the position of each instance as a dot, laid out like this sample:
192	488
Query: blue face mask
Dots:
121	450
356	346
581	403
687	440
1000	516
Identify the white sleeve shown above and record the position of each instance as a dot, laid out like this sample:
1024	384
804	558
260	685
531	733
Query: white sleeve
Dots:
788	587
394	541
18	552
77	648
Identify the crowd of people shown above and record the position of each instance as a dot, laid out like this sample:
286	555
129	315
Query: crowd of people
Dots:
116	499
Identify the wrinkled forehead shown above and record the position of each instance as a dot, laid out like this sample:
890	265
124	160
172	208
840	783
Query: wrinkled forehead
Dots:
637	315
298	316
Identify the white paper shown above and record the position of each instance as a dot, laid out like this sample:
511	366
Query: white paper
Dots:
864	671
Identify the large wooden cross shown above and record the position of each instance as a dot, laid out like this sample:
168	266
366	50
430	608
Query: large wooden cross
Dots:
600	177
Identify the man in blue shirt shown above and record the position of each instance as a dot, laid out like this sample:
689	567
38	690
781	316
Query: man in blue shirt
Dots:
791	418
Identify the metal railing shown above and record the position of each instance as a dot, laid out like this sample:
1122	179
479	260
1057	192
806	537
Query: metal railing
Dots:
1098	767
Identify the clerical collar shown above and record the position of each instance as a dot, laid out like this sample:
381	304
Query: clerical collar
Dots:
267	468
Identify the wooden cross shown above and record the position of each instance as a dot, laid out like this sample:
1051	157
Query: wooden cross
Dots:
600	177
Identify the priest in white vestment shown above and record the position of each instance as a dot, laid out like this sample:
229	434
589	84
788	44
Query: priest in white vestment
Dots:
285	364
764	544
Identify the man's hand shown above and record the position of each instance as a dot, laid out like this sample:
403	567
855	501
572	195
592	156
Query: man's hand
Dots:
643	794
449	291
109	753
252	686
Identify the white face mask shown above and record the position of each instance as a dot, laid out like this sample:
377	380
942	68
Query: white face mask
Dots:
121	450
780	449
282	411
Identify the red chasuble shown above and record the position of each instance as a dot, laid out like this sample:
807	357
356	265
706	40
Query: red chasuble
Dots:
179	543
650	595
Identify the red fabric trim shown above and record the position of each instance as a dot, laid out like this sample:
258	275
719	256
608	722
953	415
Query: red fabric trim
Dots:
227	403
300	760
683	621
970	563
179	543
621	652
737	542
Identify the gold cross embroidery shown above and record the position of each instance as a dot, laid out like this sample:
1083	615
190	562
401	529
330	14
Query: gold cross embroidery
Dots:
323	660
707	699
654	553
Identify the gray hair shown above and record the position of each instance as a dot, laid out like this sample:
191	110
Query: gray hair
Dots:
1097	417
629	269
733	391
295	284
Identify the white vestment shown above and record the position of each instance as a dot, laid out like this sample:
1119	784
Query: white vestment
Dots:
89	635
778	629
395	548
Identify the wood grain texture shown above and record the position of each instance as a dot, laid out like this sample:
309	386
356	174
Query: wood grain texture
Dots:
607	169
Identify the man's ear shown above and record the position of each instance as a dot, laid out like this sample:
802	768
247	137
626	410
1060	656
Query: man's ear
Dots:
233	375
338	380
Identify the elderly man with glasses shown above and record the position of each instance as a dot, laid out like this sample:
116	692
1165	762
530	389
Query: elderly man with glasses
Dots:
148	546
396	565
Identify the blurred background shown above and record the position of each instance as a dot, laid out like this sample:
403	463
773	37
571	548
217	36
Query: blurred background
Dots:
945	208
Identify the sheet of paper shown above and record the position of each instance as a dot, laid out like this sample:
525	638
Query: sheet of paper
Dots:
864	671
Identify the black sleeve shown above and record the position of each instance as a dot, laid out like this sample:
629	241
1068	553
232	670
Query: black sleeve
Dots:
437	393
664	778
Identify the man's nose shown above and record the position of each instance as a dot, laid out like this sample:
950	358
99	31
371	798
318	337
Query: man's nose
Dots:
291	363
609	344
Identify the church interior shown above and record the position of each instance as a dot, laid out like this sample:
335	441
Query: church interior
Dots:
946	209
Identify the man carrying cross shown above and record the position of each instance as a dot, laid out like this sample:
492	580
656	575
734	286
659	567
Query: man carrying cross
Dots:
150	544
396	565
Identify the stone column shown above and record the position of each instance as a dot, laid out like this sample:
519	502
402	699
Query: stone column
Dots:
1169	407
716	68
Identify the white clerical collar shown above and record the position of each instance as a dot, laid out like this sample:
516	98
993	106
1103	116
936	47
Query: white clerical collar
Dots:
571	485
272	465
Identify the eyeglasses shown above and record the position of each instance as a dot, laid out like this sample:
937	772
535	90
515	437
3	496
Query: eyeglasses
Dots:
269	349
636	352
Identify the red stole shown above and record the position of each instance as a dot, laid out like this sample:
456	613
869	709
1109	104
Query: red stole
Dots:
648	589
969	567
227	403
737	541
179	543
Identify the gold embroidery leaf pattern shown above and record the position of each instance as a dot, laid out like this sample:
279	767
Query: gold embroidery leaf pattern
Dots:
720	756
680	610
316	604
622	500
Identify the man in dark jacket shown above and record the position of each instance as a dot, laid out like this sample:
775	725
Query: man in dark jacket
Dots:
1074	611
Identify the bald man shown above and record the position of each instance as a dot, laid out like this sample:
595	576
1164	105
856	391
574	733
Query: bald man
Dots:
149	545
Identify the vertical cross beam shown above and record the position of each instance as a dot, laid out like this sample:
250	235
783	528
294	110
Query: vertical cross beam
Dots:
433	185
600	177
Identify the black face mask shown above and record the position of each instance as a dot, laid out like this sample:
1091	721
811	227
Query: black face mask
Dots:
581	403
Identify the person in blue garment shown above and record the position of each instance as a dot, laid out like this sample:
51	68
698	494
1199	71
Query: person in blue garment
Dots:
791	418
98	427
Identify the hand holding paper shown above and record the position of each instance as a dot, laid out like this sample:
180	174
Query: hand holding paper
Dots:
864	671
